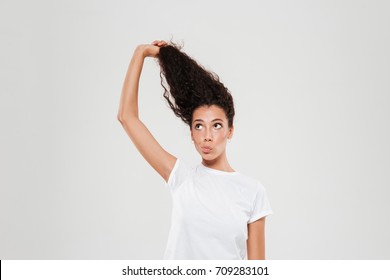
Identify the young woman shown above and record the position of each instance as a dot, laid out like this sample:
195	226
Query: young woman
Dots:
217	213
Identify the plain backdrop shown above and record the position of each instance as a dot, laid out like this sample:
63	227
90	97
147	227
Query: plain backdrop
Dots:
310	80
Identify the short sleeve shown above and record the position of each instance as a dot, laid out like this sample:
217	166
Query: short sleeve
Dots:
179	174
261	207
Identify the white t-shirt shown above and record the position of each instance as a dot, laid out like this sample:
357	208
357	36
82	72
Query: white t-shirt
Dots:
211	210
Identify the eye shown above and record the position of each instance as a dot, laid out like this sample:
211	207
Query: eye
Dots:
197	125
217	125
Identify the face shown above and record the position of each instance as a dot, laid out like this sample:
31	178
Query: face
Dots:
210	131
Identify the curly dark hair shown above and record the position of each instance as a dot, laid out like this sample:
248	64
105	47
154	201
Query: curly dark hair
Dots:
191	85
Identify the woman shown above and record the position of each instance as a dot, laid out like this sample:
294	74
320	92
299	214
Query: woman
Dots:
217	213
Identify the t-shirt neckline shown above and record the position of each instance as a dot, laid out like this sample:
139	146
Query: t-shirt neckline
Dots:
216	171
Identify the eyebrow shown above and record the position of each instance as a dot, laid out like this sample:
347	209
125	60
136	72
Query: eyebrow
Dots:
214	120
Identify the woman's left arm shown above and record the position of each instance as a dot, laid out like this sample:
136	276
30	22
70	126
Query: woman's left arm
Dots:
256	240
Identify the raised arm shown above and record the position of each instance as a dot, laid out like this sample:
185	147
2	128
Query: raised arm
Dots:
154	154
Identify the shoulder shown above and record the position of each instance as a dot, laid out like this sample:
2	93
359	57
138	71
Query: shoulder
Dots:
181	170
249	181
250	186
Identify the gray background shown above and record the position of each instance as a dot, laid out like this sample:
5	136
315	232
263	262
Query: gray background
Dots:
311	84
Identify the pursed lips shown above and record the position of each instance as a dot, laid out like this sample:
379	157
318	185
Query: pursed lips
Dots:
206	149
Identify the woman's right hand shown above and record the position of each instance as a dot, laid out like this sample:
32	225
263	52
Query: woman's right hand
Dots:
151	50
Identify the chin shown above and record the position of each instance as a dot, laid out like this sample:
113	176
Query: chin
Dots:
208	157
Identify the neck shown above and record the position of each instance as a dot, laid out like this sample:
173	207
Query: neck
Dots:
220	163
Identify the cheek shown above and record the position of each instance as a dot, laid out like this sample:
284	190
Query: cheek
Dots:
221	135
197	136
221	140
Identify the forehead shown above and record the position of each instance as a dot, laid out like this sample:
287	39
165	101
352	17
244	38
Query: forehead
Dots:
209	113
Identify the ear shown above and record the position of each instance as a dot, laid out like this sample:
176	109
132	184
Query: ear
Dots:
231	130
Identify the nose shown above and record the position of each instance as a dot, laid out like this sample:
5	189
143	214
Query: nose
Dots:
208	136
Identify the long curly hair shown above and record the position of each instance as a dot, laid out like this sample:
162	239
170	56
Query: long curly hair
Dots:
190	85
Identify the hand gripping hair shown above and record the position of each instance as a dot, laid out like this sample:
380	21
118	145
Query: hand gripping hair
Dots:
190	85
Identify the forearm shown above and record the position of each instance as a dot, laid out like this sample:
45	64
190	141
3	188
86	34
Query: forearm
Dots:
128	107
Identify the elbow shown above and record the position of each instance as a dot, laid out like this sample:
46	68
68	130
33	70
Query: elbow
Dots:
119	118
127	119
122	117
126	116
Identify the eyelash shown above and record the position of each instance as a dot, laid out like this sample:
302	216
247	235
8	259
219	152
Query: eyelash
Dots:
201	124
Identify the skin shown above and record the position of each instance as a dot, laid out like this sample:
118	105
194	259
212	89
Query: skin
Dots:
210	128
205	130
